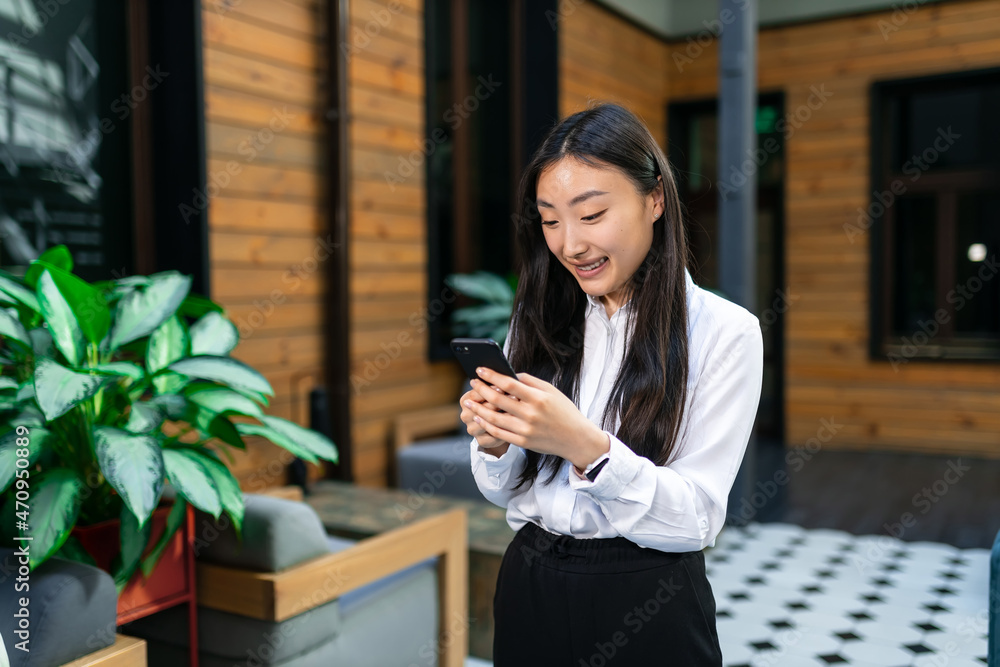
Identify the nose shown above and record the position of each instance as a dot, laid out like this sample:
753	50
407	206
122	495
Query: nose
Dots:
574	242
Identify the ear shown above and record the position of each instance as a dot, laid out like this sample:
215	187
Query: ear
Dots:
658	196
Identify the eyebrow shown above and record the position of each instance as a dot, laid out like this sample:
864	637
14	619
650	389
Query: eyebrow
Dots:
577	199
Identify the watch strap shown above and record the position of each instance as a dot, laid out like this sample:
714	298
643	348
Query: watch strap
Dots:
594	468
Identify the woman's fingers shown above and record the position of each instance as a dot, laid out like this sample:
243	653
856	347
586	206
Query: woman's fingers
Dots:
491	417
495	396
496	430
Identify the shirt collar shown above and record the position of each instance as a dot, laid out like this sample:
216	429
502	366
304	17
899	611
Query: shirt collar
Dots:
596	302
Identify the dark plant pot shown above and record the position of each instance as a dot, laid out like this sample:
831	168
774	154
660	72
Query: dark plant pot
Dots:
171	581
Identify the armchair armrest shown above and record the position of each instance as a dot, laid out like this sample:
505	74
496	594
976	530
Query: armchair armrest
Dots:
409	426
290	492
432	421
125	652
276	596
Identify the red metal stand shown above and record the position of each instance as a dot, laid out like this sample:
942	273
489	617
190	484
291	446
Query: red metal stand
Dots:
172	582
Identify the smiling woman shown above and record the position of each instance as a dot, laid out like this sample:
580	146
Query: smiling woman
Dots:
587	234
636	392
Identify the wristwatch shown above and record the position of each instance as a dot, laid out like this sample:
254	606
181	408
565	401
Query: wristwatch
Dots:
591	471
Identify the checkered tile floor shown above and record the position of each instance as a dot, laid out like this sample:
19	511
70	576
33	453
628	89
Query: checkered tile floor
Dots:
790	596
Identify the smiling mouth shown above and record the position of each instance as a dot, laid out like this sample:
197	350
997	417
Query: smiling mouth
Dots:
590	267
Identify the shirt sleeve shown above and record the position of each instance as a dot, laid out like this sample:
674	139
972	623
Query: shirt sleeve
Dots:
682	506
495	475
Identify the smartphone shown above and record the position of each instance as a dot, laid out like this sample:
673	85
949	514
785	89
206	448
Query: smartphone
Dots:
475	352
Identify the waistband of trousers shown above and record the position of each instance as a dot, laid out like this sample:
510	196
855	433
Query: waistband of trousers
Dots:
613	554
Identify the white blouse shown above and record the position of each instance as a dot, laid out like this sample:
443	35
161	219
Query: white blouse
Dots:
680	506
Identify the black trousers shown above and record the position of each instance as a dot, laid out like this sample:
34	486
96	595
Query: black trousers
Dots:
566	602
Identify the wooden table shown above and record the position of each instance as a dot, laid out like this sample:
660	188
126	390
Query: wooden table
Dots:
357	512
125	652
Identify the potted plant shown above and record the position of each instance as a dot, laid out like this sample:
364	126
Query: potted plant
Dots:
491	318
108	391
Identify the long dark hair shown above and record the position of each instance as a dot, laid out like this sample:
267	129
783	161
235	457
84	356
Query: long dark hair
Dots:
547	325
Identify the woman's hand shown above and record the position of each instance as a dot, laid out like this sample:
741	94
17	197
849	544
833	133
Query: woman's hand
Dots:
537	416
485	440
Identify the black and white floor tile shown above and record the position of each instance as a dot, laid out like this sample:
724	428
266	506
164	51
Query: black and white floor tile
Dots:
790	596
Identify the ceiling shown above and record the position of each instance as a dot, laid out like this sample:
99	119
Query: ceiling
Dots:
677	18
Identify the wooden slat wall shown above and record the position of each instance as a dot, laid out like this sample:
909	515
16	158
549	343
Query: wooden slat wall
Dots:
264	78
388	231
934	407
603	58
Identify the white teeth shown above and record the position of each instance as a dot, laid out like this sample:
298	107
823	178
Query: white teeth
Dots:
592	266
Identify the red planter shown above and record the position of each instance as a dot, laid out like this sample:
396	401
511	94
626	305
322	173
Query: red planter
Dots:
171	582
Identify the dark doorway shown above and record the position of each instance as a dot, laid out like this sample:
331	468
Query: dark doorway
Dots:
692	141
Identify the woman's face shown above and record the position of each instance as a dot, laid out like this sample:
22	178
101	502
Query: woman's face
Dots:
594	216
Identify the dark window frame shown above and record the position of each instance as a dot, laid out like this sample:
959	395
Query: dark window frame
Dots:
883	344
679	115
147	173
533	109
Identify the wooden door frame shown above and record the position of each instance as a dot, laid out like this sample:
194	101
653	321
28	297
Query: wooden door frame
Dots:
675	122
337	308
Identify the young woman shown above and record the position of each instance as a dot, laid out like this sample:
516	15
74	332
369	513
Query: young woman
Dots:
614	452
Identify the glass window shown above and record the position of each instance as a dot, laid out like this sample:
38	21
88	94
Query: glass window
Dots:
937	181
64	144
913	249
479	119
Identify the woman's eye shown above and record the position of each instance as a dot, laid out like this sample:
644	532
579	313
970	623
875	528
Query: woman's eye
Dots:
549	222
594	216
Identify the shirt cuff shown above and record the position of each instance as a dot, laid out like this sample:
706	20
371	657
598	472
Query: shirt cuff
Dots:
622	467
492	458
498	469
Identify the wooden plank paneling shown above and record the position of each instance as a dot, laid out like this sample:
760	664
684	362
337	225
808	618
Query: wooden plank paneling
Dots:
257	110
388	237
275	80
231	33
943	407
604	59
264	63
292	18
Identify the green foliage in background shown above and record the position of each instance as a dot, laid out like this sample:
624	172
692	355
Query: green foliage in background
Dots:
121	386
490	319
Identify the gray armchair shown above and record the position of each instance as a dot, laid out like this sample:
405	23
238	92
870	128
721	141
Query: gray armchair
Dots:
72	611
441	463
289	595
